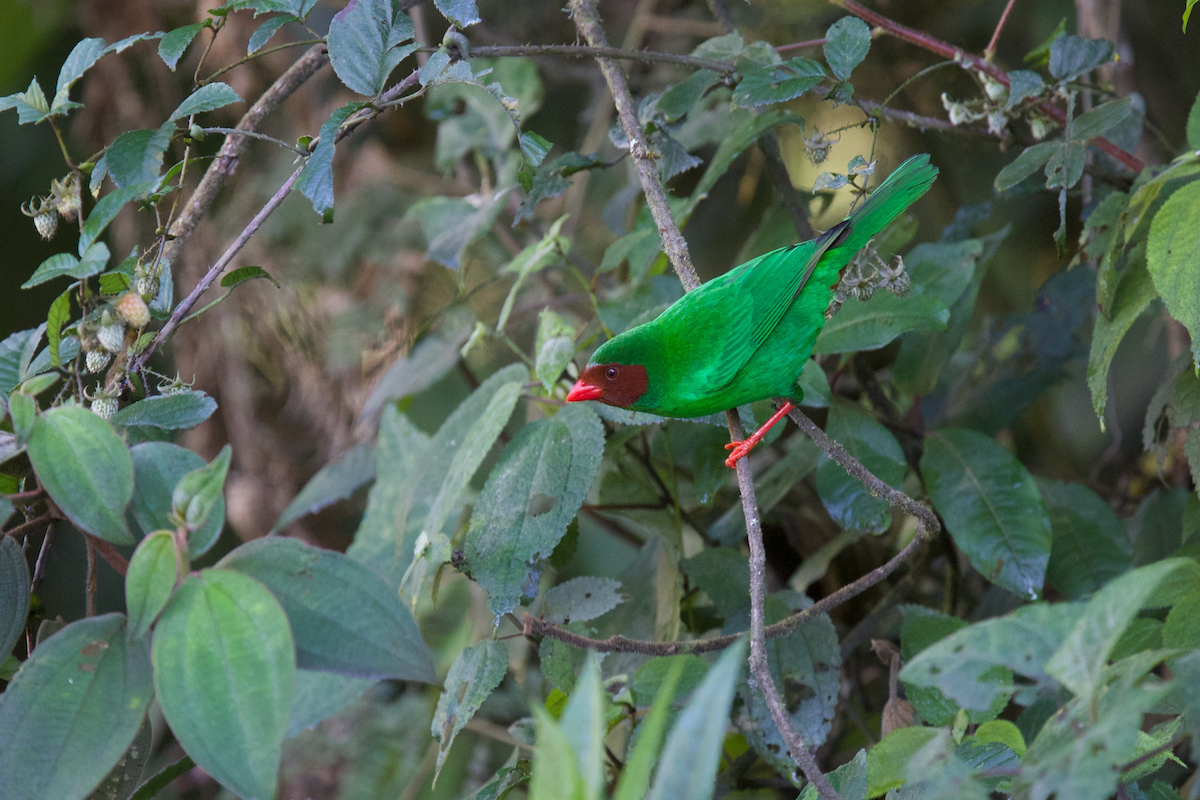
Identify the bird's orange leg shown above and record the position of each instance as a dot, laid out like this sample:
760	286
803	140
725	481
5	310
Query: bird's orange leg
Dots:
743	448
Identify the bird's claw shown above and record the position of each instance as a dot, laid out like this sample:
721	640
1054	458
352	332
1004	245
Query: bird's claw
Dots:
740	450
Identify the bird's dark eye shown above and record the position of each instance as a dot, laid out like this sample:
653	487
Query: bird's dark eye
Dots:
611	373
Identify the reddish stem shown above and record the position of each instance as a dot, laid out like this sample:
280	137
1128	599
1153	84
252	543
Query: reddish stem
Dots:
20	498
945	50
783	48
109	554
991	48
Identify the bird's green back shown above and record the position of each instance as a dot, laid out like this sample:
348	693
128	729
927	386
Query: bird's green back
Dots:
746	335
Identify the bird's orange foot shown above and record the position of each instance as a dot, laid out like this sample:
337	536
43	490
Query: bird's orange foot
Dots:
740	450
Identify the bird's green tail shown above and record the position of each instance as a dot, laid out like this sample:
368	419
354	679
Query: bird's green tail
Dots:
908	182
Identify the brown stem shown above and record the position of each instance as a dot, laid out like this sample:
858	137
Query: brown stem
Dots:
945	50
109	553
21	498
783	48
40	519
991	48
90	583
600	51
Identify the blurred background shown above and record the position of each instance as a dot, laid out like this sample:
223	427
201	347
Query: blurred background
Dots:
291	367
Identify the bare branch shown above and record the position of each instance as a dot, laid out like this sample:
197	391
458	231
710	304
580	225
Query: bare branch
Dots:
600	51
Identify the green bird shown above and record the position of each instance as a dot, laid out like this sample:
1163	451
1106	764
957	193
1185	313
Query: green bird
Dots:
746	335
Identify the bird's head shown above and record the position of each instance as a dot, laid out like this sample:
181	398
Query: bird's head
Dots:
614	384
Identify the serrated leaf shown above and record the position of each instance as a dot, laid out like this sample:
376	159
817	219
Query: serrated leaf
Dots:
173	43
170	412
106	211
1134	294
846	45
208	97
58	316
335	481
688	765
473	676
960	665
1171	257
531	496
30	104
462	13
991	506
200	491
243	274
364	38
848	502
1028	162
316	182
153	572
678	100
14	591
264	32
224	670
56	266
581	599
157	468
72	710
1090	544
85	53
777	83
85	468
1081	659
136	156
921	628
343	617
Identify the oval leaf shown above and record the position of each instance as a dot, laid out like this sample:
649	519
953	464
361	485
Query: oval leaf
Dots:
844	497
157	467
1090	546
224	669
151	578
208	97
991	506
86	469
344	618
476	672
199	491
363	38
14	592
1172	255
846	45
167	411
72	710
531	496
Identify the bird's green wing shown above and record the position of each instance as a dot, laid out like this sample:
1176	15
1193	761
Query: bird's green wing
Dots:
722	323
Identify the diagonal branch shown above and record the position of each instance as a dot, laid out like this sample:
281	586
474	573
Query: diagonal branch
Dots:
583	13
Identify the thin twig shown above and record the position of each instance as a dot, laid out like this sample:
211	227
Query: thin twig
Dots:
990	50
257	54
39	566
109	553
90	582
583	14
783	48
22	498
601	51
29	525
969	61
256	135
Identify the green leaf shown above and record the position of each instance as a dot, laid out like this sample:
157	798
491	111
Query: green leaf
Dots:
224	669
870	325
849	780
175	42
688	767
991	506
1078	664
535	147
584	726
450	224
639	762
772	486
199	491
1101	119
777	83
531	496
556	774
1002	731
170	412
550	249
960	665
1187	12
678	100
581	599
58	316
846	45
364	38
153	572
462	13
14	592
806	664
422	366
208	97
86	469
1134	294
73	709
343	616
31	104
136	156
106	211
157	468
263	33
1172	254
335	481
473	676
723	574
320	695
848	502
1071	56
22	410
123	779
1065	167
1090	544
13	362
1023	84
243	274
316	182
1028	162
888	761
1193	124
1181	628
555	347
651	677
66	265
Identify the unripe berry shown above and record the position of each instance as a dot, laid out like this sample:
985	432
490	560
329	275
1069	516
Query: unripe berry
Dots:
111	334
97	360
46	224
132	308
104	407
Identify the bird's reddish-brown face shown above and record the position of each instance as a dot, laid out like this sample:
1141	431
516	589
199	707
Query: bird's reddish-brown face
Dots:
617	385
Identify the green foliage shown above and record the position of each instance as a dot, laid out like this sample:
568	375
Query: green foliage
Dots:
153	573
14	594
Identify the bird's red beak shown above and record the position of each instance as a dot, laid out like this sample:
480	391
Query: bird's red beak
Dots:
583	391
